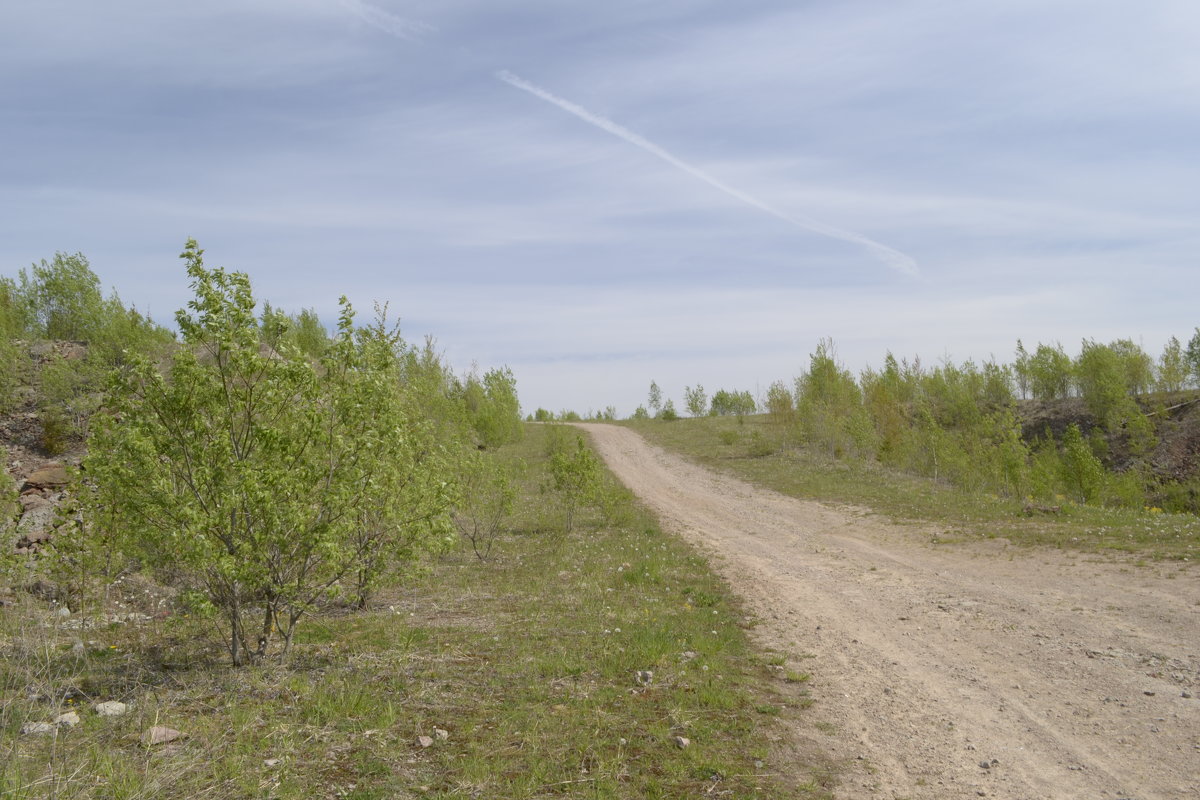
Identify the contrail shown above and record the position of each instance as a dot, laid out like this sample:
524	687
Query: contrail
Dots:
385	21
890	256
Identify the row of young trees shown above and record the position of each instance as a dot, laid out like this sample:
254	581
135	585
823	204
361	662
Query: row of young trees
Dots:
261	464
698	404
960	423
1048	373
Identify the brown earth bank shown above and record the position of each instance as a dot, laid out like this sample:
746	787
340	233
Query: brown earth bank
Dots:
951	671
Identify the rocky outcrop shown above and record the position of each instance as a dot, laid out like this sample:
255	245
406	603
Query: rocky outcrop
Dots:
42	490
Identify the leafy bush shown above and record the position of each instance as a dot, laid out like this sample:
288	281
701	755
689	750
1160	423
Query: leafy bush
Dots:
485	499
760	445
574	477
262	481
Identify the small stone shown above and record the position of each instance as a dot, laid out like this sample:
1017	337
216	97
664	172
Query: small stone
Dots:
160	734
271	762
441	734
62	611
37	728
425	741
67	720
985	764
645	677
681	741
1186	695
110	708
622	741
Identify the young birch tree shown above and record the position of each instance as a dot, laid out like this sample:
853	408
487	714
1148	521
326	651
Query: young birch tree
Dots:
251	474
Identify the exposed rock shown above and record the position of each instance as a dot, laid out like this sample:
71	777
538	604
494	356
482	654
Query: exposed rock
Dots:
161	734
38	728
425	741
33	499
110	708
36	525
67	720
681	741
645	677
50	476
441	734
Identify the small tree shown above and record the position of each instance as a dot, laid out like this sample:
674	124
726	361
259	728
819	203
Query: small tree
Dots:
696	400
726	402
486	498
574	477
781	405
655	400
261	481
1172	367
1082	473
1192	356
492	406
668	413
1021	370
1049	373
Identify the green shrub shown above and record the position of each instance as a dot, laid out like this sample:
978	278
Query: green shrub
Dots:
760	445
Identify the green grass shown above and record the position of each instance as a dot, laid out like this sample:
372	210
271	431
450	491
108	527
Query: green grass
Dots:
756	450
528	662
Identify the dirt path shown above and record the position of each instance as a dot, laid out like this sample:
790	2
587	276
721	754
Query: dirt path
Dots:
1066	676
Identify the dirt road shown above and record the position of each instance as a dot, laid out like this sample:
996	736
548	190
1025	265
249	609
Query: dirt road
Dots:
953	671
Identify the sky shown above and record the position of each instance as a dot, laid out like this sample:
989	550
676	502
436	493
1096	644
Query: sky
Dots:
598	195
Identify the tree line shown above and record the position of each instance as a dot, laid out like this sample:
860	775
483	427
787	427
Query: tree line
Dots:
969	424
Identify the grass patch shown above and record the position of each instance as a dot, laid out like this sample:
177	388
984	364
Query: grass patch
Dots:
522	672
761	454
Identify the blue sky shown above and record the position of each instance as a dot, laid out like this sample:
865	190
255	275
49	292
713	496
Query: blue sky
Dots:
599	195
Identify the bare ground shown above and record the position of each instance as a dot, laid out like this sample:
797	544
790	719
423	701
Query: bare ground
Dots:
952	671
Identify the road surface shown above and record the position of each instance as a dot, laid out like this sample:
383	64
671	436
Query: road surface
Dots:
952	671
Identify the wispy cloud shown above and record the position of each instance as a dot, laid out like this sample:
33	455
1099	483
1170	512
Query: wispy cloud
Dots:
893	258
386	21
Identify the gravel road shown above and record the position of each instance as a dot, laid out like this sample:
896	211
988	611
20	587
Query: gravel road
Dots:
952	671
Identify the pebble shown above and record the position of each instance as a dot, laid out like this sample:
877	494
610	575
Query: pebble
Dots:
425	741
37	727
67	720
160	734
441	734
110	708
681	741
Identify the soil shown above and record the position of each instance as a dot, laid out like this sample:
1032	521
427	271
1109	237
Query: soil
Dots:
951	671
